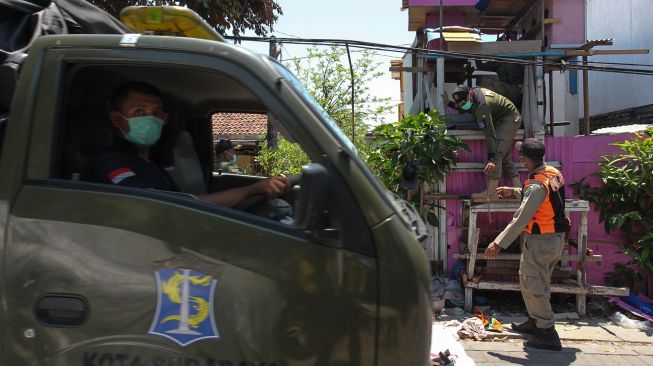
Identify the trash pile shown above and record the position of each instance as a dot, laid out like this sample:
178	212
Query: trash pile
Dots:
446	294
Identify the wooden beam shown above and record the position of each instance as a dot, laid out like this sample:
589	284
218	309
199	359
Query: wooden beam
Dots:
408	69
584	53
552	21
445	196
516	257
555	288
586	97
551	103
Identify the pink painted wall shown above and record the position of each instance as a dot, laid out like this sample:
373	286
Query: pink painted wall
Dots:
571	29
444	3
578	157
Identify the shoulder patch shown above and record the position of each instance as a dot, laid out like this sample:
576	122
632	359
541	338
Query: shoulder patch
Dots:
118	175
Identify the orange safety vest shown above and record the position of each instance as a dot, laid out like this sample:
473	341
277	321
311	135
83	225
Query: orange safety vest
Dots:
550	216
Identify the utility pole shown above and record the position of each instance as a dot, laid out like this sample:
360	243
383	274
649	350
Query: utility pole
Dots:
439	69
353	113
271	137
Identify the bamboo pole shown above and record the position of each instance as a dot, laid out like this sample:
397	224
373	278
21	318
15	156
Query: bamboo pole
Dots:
586	97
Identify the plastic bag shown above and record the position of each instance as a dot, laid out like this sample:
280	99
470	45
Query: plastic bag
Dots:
624	321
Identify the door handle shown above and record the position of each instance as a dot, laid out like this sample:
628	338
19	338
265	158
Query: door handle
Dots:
61	310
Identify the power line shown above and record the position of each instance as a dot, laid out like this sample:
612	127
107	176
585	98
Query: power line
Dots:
459	55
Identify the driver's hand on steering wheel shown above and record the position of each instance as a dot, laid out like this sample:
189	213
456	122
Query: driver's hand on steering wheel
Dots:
271	187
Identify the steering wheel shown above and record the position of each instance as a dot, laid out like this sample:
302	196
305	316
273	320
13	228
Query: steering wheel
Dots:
257	199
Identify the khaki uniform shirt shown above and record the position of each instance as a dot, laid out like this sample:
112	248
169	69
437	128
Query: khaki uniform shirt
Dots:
533	196
229	168
496	107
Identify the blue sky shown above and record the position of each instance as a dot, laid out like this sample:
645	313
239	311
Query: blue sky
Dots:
363	20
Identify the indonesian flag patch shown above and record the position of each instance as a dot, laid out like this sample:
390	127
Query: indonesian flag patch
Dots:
120	174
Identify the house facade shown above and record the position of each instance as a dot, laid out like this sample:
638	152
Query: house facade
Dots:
552	102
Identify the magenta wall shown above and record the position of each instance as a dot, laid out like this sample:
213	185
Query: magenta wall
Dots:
571	29
578	157
444	3
449	19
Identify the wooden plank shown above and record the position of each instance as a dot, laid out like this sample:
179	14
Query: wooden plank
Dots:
472	243
408	69
506	205
491	48
639	51
445	196
516	257
581	266
555	288
481	166
552	21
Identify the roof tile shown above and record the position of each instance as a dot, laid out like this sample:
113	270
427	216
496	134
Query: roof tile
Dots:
239	124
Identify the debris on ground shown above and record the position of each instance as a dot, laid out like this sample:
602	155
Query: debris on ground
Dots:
624	321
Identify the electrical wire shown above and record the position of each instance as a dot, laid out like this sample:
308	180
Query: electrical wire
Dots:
457	55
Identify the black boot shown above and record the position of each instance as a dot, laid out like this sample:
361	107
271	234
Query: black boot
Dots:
527	327
546	338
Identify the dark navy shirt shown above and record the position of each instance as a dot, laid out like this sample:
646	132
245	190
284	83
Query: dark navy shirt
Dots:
121	165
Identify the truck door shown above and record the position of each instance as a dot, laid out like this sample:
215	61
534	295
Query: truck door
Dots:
101	274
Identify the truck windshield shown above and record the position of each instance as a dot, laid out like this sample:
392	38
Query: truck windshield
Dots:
315	106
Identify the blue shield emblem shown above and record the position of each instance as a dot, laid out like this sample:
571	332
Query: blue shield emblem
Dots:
184	308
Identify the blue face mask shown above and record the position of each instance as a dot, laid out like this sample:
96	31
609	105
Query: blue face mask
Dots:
144	131
467	106
233	159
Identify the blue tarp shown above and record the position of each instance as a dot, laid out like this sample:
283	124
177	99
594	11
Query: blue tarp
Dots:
481	5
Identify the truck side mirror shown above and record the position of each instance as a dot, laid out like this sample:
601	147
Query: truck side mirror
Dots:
310	208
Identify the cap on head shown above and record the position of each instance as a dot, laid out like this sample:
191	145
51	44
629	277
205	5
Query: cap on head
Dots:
461	93
532	149
224	145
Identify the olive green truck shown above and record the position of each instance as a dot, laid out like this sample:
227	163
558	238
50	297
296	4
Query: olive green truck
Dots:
101	274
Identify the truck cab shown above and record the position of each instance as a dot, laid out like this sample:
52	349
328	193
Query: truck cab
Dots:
102	274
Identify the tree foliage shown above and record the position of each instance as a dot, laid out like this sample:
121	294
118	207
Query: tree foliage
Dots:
327	77
236	16
287	159
420	140
625	198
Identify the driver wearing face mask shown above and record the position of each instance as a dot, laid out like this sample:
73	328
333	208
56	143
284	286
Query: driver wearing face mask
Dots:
225	152
138	116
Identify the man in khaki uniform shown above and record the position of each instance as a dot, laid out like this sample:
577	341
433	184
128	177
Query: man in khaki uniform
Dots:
541	217
225	152
500	120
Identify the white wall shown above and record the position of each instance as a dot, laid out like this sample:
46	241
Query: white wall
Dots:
630	24
565	104
408	83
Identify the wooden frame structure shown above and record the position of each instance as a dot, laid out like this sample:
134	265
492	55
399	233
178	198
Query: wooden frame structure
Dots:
581	288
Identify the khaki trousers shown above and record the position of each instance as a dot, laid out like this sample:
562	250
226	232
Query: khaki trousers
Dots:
505	129
540	253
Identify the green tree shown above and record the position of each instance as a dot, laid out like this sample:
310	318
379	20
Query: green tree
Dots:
287	159
326	75
235	15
